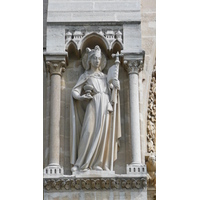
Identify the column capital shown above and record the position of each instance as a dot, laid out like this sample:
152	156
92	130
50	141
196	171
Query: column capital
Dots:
133	62
55	62
55	67
133	66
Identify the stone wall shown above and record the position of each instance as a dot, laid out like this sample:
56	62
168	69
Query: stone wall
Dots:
45	6
148	34
46	93
93	10
98	195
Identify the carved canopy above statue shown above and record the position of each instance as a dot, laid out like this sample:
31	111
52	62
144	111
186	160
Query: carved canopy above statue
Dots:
109	41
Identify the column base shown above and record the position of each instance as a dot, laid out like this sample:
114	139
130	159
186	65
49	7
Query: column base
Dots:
53	170
136	169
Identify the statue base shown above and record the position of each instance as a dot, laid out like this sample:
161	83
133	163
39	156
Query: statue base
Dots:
94	173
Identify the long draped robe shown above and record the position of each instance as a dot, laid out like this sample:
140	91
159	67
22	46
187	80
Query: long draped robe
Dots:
91	124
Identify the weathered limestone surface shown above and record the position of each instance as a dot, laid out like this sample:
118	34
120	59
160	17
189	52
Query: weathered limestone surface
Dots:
148	34
148	29
69	11
46	94
55	39
45	5
132	38
98	195
46	116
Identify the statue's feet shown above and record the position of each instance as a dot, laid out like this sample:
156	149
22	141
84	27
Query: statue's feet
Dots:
106	168
98	168
74	168
85	170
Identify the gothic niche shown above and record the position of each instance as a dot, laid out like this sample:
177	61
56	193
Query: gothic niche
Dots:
93	142
93	52
151	115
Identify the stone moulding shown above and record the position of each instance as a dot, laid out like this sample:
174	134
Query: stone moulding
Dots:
53	184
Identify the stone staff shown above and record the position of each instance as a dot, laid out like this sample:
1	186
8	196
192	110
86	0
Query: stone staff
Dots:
113	74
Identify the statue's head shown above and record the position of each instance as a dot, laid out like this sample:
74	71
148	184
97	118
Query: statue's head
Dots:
94	56
152	159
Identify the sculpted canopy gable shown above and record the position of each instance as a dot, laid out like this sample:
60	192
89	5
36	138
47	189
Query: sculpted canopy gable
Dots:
83	39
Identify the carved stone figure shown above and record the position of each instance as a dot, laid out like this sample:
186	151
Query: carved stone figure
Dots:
150	146
91	117
151	170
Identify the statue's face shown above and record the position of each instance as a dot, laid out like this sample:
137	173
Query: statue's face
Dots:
152	160
95	61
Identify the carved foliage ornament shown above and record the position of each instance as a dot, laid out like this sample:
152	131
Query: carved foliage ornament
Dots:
94	183
55	67
151	115
133	66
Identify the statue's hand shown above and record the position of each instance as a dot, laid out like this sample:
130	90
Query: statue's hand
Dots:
116	84
85	97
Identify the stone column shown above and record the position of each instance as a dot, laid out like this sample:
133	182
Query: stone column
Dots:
133	66
55	65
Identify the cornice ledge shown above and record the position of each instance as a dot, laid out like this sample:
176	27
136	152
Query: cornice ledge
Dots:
130	55
55	56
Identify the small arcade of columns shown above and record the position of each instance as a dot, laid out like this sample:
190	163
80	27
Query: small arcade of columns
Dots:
56	64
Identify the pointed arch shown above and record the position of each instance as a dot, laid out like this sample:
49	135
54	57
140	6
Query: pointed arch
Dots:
116	46
92	39
71	42
72	49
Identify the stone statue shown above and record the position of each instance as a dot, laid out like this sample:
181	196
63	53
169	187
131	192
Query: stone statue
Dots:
151	170
91	117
